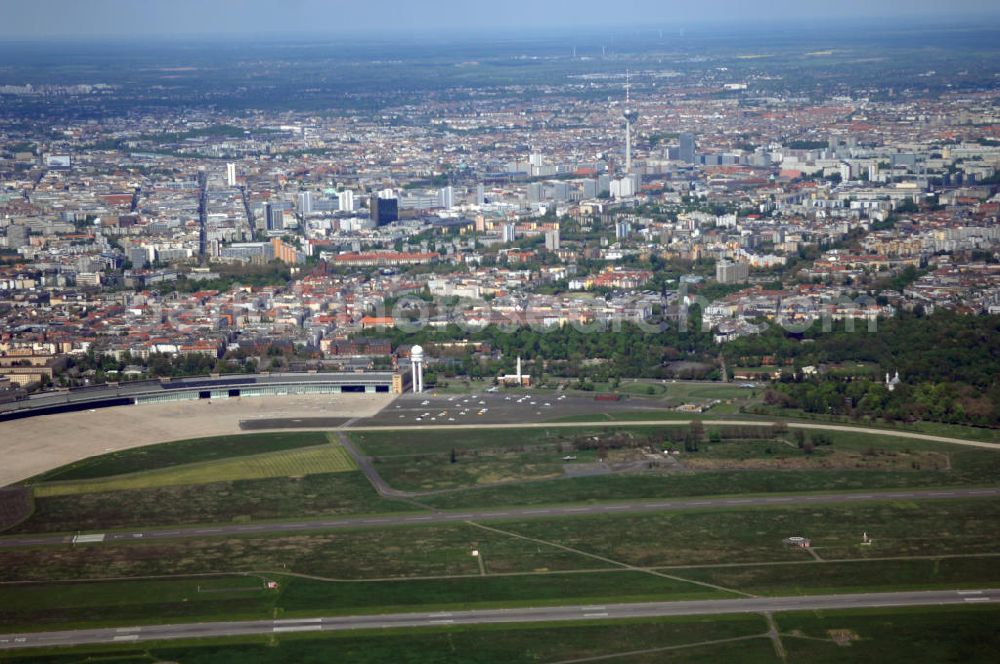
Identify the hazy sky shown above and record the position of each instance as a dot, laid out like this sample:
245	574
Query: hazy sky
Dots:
31	19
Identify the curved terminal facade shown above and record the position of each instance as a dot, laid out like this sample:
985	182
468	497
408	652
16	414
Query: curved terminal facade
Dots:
207	387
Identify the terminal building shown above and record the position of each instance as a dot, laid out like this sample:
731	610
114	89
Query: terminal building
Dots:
208	387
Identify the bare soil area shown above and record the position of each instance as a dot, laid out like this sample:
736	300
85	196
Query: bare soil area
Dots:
36	444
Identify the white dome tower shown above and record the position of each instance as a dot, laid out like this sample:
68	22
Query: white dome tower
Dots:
417	367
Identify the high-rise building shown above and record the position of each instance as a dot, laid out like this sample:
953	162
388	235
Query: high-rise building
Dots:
622	230
536	192
727	272
625	187
18	236
686	150
231	175
447	197
552	240
346	200
480	195
560	191
274	216
383	210
138	256
509	232
305	202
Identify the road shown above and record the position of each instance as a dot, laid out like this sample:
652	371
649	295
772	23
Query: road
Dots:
498	616
502	413
510	513
675	423
365	464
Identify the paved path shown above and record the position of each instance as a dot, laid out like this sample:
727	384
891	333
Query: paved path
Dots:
675	423
365	464
502	514
499	616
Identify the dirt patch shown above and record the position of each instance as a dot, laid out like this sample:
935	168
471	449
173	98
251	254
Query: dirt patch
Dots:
828	460
843	637
16	504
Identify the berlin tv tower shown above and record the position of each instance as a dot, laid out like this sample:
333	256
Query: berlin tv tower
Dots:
631	116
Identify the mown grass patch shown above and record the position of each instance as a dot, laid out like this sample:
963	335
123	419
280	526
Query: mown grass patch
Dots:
327	458
181	452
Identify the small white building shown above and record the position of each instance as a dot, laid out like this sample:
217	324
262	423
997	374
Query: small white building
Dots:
516	380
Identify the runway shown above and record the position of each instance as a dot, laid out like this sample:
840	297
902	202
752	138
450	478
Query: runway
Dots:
500	514
150	633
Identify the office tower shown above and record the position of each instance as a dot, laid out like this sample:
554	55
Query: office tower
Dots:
560	191
686	151
139	257
383	210
446	197
603	184
274	216
536	192
345	200
231	175
305	202
623	187
480	195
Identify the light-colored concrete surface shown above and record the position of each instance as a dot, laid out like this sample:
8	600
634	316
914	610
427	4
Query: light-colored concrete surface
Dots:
36	444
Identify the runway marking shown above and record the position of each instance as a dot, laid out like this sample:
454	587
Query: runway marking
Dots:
299	628
89	539
127	637
596	615
977	599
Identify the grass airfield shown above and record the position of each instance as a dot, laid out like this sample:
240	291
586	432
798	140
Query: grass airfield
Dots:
709	553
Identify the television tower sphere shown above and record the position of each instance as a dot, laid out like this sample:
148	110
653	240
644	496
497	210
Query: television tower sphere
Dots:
630	114
417	353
